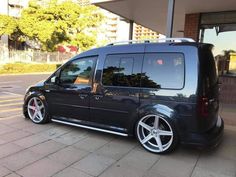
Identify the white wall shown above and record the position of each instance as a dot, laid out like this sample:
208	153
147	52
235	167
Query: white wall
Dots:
122	31
4	38
3	7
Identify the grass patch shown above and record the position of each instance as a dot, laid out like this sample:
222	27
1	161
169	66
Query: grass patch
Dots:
21	68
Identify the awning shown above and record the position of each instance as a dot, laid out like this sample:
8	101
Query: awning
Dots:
153	13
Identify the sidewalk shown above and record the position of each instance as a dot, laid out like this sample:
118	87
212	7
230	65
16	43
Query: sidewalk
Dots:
228	113
29	150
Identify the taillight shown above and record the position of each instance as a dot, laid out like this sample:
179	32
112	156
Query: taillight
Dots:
203	106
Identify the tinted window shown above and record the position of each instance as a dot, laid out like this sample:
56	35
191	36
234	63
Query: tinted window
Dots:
208	69
122	70
78	72
163	70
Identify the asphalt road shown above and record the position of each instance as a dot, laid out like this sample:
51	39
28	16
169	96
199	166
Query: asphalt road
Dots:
12	90
19	83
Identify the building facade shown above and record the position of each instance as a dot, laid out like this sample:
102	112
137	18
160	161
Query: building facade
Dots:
141	32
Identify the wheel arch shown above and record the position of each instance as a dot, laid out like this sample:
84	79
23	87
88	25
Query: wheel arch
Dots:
31	94
159	109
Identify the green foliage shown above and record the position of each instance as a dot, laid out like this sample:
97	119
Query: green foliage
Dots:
227	52
65	23
14	68
8	25
56	23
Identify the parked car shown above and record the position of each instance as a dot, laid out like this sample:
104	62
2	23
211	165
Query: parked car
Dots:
164	93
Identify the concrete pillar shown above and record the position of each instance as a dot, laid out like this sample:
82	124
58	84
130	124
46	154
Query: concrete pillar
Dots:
131	29
170	18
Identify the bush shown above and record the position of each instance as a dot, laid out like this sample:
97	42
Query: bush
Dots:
14	68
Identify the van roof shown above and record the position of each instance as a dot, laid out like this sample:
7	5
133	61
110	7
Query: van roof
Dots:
126	44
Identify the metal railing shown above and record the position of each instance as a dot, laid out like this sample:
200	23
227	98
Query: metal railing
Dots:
33	56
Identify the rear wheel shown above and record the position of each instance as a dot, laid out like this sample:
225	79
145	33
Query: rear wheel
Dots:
156	134
37	111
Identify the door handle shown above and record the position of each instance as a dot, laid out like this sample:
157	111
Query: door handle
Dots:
98	97
83	96
211	100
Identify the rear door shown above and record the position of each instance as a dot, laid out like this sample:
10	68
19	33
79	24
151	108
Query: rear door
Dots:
209	89
115	103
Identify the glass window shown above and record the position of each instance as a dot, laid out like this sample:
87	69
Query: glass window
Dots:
78	72
208	69
163	70
224	49
122	70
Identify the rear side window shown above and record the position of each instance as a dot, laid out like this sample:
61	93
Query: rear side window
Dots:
208	69
122	70
163	70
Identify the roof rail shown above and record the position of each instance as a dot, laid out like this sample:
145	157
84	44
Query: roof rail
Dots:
153	40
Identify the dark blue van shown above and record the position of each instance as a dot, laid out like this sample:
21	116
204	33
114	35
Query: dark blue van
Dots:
162	92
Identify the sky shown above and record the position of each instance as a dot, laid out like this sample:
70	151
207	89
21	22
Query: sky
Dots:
224	40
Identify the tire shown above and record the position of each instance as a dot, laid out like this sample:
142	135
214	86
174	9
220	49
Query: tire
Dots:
36	110
156	133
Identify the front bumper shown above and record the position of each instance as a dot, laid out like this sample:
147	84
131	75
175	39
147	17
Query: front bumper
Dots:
210	138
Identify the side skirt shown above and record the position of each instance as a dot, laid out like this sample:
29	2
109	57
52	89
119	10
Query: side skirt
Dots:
89	127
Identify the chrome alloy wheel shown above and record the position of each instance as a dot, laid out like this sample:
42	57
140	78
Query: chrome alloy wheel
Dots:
36	110
155	133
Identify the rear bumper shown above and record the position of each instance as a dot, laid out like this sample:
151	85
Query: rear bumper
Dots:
210	138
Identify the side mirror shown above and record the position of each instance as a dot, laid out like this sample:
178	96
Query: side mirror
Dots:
55	80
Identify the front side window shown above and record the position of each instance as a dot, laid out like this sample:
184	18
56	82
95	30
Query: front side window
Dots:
163	70
122	70
78	72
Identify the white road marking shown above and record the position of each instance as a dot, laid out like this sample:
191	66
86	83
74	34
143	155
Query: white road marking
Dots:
5	102
10	93
10	97
10	82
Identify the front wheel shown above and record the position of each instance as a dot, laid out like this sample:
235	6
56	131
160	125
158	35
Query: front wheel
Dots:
156	134
36	110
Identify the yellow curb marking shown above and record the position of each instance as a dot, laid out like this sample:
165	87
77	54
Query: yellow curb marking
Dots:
13	104
10	96
3	101
10	110
10	117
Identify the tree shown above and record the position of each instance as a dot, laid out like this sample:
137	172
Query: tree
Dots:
8	26
227	52
60	23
